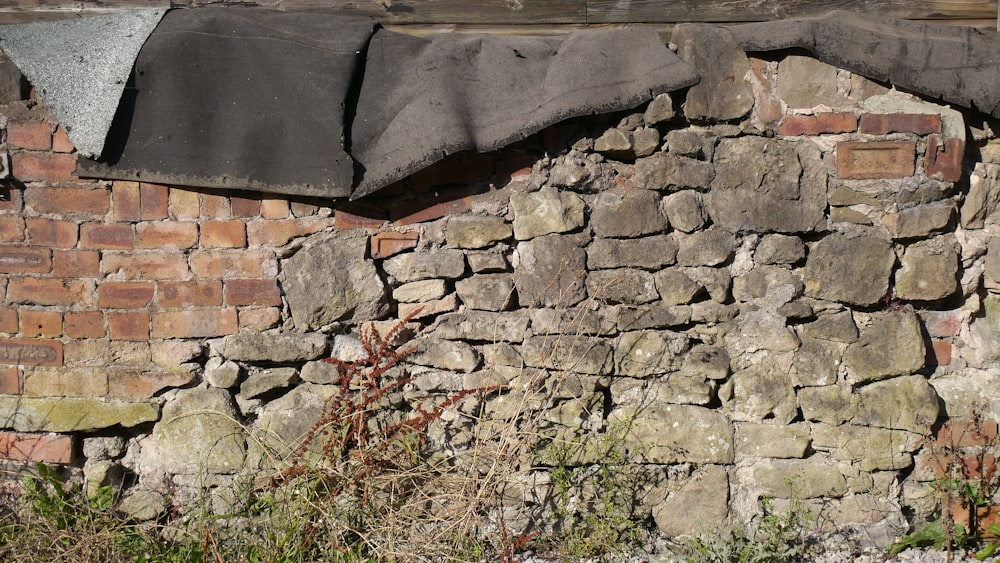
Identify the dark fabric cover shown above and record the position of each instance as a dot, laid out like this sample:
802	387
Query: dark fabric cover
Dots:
255	99
422	98
239	98
960	65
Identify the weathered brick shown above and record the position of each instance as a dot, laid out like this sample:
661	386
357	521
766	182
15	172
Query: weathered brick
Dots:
84	324
244	206
41	324
891	159
29	352
274	207
184	204
203	323
61	142
29	135
181	294
384	245
939	354
107	236
253	292
43	167
11	382
41	448
359	217
885	123
124	295
259	318
145	265
172	235
11	228
153	201
11	198
131	385
958	434
224	263
62	383
8	320
262	232
944	162
215	206
433	206
51	232
76	263
125	201
302	209
49	291
223	234
101	353
819	124
68	201
23	259
128	325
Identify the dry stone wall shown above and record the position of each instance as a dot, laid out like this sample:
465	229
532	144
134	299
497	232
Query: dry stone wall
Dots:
779	283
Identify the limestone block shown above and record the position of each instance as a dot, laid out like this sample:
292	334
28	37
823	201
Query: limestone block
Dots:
253	346
331	280
919	221
544	212
624	285
469	231
723	92
816	362
891	345
664	433
675	288
72	414
489	292
199	433
669	172
850	270
837	327
648	253
549	271
445	354
832	404
874	449
645	141
649	353
418	291
627	214
763	392
772	440
804	82
575	354
221	373
814	477
264	381
903	403
685	210
765	280
660	109
701	503
928	271
413	266
706	248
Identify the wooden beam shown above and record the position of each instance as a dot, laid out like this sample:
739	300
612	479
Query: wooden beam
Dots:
655	11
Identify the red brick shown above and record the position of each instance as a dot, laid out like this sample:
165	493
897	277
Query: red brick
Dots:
384	245
145	265
8	320
11	382
60	383
202	323
43	167
76	263
245	206
29	135
124	295
262	232
453	170
819	124
41	324
885	123
153	201
49	291
940	353
29	352
891	159
24	259
274	208
252	292
435	206
514	166
43	448
128	326
128	385
184	204
11	228
170	235
359	217
223	234
944	162
68	201
261	318
11	198
182	294
125	201
84	324
107	236
61	142
52	232
215	206
956	434
225	264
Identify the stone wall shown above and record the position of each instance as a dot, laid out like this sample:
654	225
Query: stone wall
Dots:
777	283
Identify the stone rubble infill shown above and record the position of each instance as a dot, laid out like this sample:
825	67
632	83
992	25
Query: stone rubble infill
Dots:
867	556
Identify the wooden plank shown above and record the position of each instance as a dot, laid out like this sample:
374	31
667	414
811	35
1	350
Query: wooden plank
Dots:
654	11
514	12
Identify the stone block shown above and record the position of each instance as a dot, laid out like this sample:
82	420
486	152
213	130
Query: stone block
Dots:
623	285
666	433
850	270
919	221
901	403
814	477
723	93
650	253
549	272
199	433
544	212
72	414
489	292
685	211
482	326
891	344
804	82
703	501
670	172
254	346
772	440
418	291
468	231
574	354
928	271
649	353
